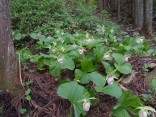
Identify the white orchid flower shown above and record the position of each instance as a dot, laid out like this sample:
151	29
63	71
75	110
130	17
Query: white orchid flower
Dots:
110	80
86	105
53	50
106	56
60	60
127	58
140	40
144	111
81	50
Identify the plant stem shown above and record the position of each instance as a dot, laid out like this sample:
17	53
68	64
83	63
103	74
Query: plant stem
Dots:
71	111
112	72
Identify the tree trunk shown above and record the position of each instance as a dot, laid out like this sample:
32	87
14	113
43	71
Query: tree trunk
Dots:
100	5
118	9
105	6
138	13
148	14
133	8
8	64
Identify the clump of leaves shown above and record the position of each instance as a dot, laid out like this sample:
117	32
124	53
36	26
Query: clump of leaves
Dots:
126	103
82	54
75	93
77	42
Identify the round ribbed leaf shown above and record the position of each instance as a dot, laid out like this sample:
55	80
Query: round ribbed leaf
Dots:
125	68
75	93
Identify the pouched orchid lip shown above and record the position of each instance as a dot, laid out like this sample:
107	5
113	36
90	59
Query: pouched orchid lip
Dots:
53	50
143	113
140	40
127	58
106	56
110	80
144	110
86	105
81	50
60	60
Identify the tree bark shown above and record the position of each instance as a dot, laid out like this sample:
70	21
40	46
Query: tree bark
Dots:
103	5
100	5
148	14
8	64
138	13
118	9
133	8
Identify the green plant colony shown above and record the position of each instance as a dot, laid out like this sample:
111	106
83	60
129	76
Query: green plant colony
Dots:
72	38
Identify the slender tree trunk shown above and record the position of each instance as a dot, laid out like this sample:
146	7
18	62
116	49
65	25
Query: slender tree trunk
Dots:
8	64
148	14
133	8
105	6
138	13
100	5
122	2
118	9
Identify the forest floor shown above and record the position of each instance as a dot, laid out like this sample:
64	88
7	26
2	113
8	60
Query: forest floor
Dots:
45	102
